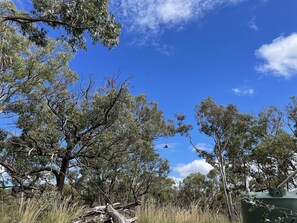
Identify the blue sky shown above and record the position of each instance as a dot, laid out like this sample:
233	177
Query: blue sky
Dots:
179	52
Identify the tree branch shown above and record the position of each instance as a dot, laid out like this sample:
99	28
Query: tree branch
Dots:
26	20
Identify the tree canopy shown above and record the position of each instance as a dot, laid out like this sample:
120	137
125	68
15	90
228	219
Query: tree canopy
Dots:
75	17
97	140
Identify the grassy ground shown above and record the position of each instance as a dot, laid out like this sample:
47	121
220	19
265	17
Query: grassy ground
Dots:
152	213
38	211
46	210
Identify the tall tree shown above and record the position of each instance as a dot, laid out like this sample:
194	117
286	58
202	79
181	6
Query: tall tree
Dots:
62	132
224	124
26	69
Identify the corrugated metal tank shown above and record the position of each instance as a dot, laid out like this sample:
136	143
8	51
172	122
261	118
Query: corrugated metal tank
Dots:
276	205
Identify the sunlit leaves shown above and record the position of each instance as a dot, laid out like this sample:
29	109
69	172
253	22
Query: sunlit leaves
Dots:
75	18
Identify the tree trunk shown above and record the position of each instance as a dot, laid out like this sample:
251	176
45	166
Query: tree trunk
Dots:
226	189
62	174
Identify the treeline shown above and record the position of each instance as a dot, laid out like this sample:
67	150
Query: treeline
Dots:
96	143
250	153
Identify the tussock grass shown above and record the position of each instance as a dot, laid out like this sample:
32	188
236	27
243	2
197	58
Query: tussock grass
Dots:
153	213
31	211
43	210
62	212
47	210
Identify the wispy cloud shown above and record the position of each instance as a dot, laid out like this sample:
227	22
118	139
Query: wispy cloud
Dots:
152	16
243	91
165	49
252	24
280	57
196	166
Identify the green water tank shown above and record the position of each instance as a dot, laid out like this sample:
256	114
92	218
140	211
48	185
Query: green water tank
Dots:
276	205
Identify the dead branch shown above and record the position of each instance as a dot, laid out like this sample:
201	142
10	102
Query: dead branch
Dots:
107	214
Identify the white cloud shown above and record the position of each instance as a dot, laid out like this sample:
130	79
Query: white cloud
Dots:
172	11
196	166
280	57
252	24
151	16
177	180
243	91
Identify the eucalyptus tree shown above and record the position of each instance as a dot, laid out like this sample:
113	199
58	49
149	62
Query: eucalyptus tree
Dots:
193	189
63	135
63	132
136	172
26	51
73	17
25	69
225	125
274	157
166	192
126	167
25	66
204	190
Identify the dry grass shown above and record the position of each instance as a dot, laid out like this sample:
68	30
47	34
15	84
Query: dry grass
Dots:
62	212
39	211
31	211
48	211
152	213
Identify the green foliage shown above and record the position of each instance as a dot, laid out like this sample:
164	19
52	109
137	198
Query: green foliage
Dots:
74	17
24	67
98	141
201	189
275	158
226	126
101	142
261	150
291	110
166	193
